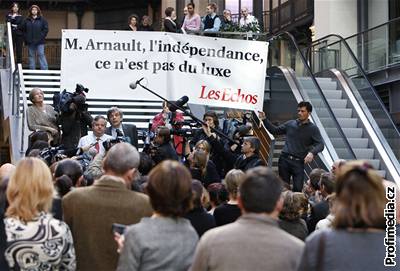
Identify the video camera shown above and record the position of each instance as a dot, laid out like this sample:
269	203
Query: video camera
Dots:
52	154
111	142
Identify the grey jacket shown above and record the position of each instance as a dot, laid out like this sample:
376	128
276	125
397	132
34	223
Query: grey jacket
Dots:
254	242
158	243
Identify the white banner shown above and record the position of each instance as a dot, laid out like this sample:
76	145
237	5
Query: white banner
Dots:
210	71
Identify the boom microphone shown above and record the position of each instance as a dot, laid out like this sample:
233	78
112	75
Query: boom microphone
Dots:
134	85
179	103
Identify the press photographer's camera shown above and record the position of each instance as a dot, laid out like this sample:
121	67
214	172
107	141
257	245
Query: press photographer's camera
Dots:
53	154
111	142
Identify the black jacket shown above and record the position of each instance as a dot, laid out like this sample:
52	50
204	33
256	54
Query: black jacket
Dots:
170	26
16	23
200	220
35	30
244	164
129	131
165	152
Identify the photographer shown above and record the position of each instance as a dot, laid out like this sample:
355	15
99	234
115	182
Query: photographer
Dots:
74	117
211	120
171	119
163	149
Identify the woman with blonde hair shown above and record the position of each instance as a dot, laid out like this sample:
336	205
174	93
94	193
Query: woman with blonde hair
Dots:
358	240
228	212
35	240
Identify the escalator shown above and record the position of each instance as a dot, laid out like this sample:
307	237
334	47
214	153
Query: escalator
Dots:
351	118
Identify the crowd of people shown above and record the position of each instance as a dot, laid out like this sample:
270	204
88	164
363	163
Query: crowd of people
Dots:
198	198
192	23
182	203
33	29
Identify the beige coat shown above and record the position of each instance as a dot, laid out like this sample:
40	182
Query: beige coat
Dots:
254	242
90	213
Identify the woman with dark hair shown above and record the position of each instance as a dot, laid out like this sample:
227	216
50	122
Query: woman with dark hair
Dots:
41	116
290	216
357	240
218	195
133	23
15	19
35	28
166	241
68	174
170	20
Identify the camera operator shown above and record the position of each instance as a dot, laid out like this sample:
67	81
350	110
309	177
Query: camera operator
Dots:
118	129
250	158
75	118
211	120
170	119
163	149
94	141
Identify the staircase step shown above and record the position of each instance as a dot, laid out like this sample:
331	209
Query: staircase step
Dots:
344	153
334	103
354	142
348	132
364	154
339	112
375	163
343	122
329	94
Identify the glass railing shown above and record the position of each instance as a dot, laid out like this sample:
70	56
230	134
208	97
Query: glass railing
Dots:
283	52
333	52
378	47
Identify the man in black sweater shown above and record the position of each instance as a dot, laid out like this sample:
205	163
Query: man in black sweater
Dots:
249	159
303	142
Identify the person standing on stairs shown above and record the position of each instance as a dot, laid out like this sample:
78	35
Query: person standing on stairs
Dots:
303	143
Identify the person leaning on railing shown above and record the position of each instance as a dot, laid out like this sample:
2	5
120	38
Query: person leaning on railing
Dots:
41	116
16	20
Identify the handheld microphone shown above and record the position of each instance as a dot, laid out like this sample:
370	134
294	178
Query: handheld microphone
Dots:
181	102
134	85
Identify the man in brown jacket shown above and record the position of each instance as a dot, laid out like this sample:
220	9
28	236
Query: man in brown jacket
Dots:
255	239
91	211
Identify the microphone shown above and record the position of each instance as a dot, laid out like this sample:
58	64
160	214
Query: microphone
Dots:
134	85
183	100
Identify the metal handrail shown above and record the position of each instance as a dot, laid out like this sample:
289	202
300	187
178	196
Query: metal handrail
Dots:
10	55
303	59
24	106
319	41
373	28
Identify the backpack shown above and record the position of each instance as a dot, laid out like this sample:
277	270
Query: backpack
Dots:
62	101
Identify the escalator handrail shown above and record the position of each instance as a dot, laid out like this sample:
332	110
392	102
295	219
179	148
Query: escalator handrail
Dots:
303	59
319	41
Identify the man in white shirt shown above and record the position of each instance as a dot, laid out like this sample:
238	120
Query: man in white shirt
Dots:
94	141
246	18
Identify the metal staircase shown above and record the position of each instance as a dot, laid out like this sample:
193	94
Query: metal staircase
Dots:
347	110
349	122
